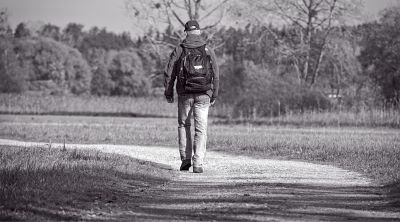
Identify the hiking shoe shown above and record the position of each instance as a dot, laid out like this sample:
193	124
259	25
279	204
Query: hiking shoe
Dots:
186	164
197	169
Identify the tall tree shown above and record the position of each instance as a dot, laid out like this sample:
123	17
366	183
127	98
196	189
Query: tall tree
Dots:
381	55
51	31
171	15
4	24
73	35
168	18
11	74
341	69
22	31
310	24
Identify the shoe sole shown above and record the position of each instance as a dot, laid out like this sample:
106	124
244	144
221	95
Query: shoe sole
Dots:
185	168
198	170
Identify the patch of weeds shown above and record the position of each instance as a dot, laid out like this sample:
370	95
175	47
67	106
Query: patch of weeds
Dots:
76	154
51	184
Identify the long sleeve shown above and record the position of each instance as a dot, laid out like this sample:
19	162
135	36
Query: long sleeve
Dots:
216	73
170	72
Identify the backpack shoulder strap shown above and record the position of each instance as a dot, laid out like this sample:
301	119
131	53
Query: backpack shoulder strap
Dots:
182	61
203	50
183	52
208	53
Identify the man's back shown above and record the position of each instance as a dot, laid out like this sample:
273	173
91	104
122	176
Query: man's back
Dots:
172	69
194	66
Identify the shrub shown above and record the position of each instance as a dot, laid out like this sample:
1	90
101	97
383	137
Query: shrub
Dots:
102	84
127	74
259	93
232	79
53	67
78	72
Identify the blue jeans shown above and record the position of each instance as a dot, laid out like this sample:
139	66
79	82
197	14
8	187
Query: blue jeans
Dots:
198	105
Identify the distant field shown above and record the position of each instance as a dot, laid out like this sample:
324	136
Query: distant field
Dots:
40	184
85	105
373	152
158	107
364	118
92	106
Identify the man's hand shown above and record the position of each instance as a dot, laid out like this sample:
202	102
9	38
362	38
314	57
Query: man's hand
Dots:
170	99
212	101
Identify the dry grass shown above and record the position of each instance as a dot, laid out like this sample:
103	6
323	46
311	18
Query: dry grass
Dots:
374	152
85	105
364	118
51	184
158	107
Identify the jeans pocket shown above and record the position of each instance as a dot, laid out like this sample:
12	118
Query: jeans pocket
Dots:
204	99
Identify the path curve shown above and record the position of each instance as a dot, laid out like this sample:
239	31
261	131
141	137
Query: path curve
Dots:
245	188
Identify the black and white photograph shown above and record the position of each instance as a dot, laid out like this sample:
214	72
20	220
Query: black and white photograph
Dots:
200	110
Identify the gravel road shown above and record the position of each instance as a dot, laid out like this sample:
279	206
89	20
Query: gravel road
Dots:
237	188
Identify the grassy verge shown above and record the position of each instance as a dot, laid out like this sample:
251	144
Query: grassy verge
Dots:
157	107
50	184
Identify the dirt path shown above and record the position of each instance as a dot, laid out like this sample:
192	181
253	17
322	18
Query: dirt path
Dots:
237	188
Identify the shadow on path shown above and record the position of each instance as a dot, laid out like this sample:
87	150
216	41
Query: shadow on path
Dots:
263	201
242	188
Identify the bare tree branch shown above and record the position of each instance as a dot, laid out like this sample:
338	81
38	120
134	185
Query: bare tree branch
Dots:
177	17
216	23
284	14
213	10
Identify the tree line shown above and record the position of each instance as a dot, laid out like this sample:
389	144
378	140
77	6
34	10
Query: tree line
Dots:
73	61
265	69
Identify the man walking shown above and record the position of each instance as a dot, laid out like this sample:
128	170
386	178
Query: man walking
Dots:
194	66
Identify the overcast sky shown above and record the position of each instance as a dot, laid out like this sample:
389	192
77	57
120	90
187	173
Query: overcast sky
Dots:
102	13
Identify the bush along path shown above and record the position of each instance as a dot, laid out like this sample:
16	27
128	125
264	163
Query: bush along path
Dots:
237	188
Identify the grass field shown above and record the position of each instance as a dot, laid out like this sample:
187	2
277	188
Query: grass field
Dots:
157	107
92	183
85	105
363	118
42	184
373	152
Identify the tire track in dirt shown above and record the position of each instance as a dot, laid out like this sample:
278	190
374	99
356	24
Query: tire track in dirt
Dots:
236	188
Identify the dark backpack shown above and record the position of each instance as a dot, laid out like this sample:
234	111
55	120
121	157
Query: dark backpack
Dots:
195	70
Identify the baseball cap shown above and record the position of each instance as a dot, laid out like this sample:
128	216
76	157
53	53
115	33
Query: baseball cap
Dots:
192	25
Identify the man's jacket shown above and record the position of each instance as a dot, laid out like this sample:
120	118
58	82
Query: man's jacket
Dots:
172	69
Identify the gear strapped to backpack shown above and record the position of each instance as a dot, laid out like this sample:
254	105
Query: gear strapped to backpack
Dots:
195	70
